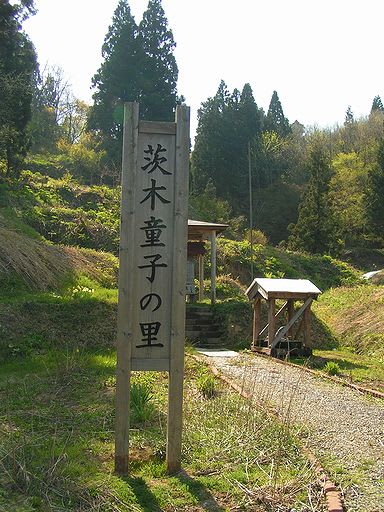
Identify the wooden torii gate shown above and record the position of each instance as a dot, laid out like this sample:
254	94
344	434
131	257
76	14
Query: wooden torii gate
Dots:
279	342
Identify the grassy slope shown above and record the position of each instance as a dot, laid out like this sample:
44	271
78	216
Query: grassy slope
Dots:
56	444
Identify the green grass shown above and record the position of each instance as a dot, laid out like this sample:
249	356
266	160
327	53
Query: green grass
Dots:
57	443
366	371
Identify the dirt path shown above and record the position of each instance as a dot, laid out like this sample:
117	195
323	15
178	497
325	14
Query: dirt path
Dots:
342	427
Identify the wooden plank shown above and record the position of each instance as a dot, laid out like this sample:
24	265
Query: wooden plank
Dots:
276	316
271	321
256	321
307	327
201	277
156	365
157	127
297	315
291	295
213	266
179	264
124	316
291	312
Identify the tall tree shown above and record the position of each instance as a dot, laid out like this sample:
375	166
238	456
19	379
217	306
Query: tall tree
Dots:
276	120
315	231
375	194
117	80
159	70
17	68
377	105
139	65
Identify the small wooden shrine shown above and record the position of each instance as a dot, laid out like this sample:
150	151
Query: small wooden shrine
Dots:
198	233
294	335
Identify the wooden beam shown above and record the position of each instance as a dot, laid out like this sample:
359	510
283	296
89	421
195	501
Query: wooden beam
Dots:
256	321
276	316
271	320
201	277
297	315
179	262
291	312
307	327
126	271
213	267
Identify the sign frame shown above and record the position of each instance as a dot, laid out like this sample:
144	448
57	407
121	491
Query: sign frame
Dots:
135	132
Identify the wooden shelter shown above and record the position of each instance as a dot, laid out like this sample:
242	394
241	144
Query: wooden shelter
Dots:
285	339
198	232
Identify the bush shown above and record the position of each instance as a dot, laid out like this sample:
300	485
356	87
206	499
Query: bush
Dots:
332	368
206	384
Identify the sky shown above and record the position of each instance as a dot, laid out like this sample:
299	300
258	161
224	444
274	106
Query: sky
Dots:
321	56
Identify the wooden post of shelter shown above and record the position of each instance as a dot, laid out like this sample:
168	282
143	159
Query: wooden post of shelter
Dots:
256	321
290	310
152	276
280	340
201	276
213	267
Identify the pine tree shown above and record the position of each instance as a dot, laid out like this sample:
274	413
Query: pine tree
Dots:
315	230
17	70
117	80
275	120
159	69
349	117
377	105
139	65
375	194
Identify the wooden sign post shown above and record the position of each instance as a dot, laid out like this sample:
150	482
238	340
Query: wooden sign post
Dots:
153	260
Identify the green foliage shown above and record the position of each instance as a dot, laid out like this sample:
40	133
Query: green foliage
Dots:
332	368
234	258
138	65
17	68
206	384
315	230
375	194
347	198
65	212
141	402
226	124
377	105
275	120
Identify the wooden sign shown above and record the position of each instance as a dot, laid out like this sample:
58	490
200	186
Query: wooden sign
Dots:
152	277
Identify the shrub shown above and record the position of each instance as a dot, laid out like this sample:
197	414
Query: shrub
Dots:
141	405
206	384
332	368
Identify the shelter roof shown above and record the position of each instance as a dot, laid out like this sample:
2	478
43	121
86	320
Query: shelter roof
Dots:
201	229
270	288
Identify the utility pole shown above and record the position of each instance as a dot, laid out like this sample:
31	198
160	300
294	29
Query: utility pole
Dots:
250	206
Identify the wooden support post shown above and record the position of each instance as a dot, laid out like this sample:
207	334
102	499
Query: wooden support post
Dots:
256	322
307	327
179	258
291	311
127	270
213	267
271	321
201	277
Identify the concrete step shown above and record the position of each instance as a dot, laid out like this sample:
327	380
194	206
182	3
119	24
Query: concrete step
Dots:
199	321
202	333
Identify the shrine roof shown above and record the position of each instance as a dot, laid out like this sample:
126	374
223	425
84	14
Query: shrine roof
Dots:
282	288
198	227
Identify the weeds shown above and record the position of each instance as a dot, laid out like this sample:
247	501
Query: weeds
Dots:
141	404
206	384
332	368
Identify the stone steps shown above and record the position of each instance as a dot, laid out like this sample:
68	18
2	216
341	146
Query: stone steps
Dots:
201	329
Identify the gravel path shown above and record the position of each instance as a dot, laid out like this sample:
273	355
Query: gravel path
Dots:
342	427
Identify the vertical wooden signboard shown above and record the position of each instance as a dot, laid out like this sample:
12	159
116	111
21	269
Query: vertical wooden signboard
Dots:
153	259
